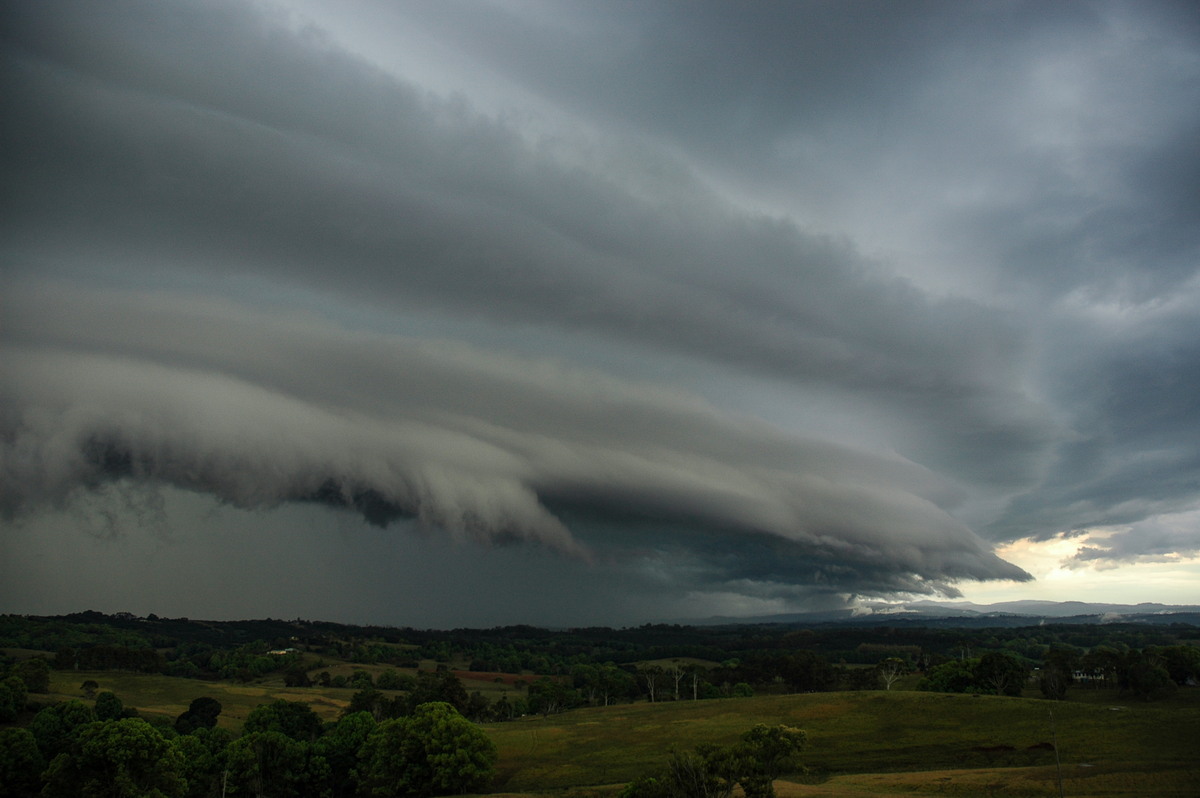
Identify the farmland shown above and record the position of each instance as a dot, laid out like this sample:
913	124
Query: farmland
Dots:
566	720
883	743
860	743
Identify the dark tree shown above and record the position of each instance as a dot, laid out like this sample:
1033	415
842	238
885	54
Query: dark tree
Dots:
763	755
340	746
955	676
391	679
270	763
478	707
434	751
64	659
1001	672
370	701
1181	662
292	718
21	764
806	672
12	699
770	751
1053	683
204	757
124	758
202	713
297	677
1148	681
549	696
56	727
434	687
108	706
35	673
361	680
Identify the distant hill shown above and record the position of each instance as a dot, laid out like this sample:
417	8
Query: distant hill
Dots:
970	614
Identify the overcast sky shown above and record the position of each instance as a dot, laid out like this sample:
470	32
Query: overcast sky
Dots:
469	313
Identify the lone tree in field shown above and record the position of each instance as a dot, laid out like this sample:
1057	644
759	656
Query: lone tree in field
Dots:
770	751
201	714
890	670
108	706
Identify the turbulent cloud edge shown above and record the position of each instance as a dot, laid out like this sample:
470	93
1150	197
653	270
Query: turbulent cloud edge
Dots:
258	410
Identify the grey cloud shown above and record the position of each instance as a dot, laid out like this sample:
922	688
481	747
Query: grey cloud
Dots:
980	254
1131	381
1164	539
259	412
323	171
222	562
730	78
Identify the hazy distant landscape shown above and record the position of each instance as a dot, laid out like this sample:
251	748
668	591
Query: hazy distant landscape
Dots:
1016	613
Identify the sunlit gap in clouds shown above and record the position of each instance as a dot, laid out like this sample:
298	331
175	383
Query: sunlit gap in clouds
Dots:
1062	567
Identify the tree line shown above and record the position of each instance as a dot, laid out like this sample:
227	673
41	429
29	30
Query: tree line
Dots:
285	749
241	649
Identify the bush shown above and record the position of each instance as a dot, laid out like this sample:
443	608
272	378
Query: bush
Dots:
12	699
118	757
763	755
434	751
36	675
21	764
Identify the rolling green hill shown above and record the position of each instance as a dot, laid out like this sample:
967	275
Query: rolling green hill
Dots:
882	742
869	743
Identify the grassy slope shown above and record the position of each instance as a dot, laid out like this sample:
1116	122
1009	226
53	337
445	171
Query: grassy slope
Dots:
860	744
909	741
154	694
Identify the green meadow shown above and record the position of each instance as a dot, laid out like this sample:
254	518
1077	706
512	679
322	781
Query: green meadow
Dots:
872	743
155	694
878	743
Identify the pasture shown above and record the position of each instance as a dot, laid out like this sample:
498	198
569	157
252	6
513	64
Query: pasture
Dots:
877	743
863	744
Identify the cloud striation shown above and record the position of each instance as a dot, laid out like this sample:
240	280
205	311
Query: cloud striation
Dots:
779	303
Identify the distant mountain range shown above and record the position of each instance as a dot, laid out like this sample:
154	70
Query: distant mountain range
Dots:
967	613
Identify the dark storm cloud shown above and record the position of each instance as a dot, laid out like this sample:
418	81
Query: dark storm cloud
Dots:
733	77
1156	540
257	412
982	242
323	171
1134	391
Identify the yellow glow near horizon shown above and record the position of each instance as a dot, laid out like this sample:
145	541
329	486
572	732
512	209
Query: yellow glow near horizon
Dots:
1174	581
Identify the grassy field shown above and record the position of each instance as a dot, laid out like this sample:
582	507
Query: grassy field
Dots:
879	744
154	694
860	744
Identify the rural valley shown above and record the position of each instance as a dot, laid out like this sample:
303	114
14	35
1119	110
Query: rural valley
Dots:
282	708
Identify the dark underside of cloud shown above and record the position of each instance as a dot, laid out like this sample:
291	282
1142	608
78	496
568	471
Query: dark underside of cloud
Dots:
245	261
488	447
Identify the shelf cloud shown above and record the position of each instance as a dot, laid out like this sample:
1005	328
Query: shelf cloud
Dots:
785	303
